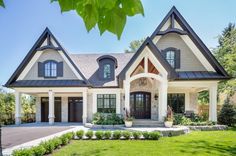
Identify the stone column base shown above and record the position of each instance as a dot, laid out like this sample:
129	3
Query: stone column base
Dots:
17	120
51	120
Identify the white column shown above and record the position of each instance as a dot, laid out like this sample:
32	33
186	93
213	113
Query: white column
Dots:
38	109
51	115
118	103
94	103
17	108
213	103
162	101
85	107
64	110
187	101
127	95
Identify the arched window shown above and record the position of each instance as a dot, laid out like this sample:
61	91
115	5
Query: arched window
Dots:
170	57
50	69
107	71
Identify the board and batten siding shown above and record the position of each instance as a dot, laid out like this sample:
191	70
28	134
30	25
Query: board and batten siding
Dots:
50	55
188	61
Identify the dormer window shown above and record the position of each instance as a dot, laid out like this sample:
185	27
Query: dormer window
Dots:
172	56
107	65
50	69
107	71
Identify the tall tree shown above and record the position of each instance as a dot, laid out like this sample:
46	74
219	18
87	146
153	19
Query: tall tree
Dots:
108	15
134	45
226	55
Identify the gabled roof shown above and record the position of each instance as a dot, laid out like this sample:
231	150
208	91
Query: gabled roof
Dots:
148	42
174	14
46	36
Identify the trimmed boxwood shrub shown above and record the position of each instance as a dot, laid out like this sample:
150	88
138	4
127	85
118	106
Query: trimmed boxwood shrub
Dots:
136	134
70	135
99	134
48	146
154	135
80	134
107	134
57	142
38	150
126	135
145	135
23	152
64	139
116	134
89	134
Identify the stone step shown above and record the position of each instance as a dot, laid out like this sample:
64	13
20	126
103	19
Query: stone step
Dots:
147	123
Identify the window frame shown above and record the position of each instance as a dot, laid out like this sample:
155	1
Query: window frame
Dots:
109	73
48	66
176	59
175	99
106	103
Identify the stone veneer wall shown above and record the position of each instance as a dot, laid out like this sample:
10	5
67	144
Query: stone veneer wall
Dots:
193	101
64	109
149	87
38	109
90	107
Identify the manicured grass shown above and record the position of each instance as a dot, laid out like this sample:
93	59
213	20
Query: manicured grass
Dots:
210	143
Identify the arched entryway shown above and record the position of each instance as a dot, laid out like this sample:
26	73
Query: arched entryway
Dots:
140	105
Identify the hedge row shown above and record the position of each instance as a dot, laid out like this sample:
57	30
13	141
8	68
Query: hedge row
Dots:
46	147
124	135
49	146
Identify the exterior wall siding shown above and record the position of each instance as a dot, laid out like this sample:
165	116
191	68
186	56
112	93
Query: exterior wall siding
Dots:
188	61
50	55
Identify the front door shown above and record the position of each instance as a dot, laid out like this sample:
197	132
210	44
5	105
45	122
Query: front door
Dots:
45	109
140	104
75	109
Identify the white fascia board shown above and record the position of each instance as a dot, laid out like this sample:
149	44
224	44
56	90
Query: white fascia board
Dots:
29	65
54	89
185	84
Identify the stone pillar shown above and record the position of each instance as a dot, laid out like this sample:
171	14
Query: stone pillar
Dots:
213	103
193	106
162	101
51	115
85	107
17	108
118	103
38	109
64	109
127	96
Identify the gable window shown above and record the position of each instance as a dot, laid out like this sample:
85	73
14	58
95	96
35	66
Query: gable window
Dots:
170	57
50	69
107	71
106	103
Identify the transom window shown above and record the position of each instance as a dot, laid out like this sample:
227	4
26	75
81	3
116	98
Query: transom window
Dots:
106	103
50	69
107	71
170	57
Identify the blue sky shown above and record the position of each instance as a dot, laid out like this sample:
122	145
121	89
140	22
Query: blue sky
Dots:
23	21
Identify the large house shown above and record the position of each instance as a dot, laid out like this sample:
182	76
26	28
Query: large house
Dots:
170	68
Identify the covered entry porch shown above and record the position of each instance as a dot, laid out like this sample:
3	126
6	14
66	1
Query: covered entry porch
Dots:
55	104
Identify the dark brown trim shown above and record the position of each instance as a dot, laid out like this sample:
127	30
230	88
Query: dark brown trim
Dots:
32	52
197	41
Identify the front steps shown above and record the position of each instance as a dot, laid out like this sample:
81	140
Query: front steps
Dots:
147	123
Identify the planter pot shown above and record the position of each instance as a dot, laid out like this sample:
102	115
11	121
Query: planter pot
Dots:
128	123
168	124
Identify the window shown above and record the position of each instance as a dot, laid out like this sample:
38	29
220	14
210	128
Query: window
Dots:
50	69
170	57
107	71
177	102
106	103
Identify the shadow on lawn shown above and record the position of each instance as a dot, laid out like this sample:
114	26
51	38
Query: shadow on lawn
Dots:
202	145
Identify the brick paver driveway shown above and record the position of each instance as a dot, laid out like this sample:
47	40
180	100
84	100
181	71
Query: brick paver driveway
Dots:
16	135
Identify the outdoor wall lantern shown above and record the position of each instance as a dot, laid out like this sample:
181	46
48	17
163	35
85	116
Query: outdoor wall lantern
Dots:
156	97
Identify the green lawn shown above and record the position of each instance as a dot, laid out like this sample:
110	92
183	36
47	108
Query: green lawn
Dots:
196	143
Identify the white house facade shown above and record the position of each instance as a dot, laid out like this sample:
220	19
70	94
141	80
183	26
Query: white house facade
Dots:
170	68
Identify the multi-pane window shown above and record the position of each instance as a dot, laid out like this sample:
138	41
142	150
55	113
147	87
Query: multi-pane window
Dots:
107	71
106	103
170	57
50	69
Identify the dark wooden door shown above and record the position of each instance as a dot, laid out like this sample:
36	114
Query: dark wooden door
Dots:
75	109
45	109
140	103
